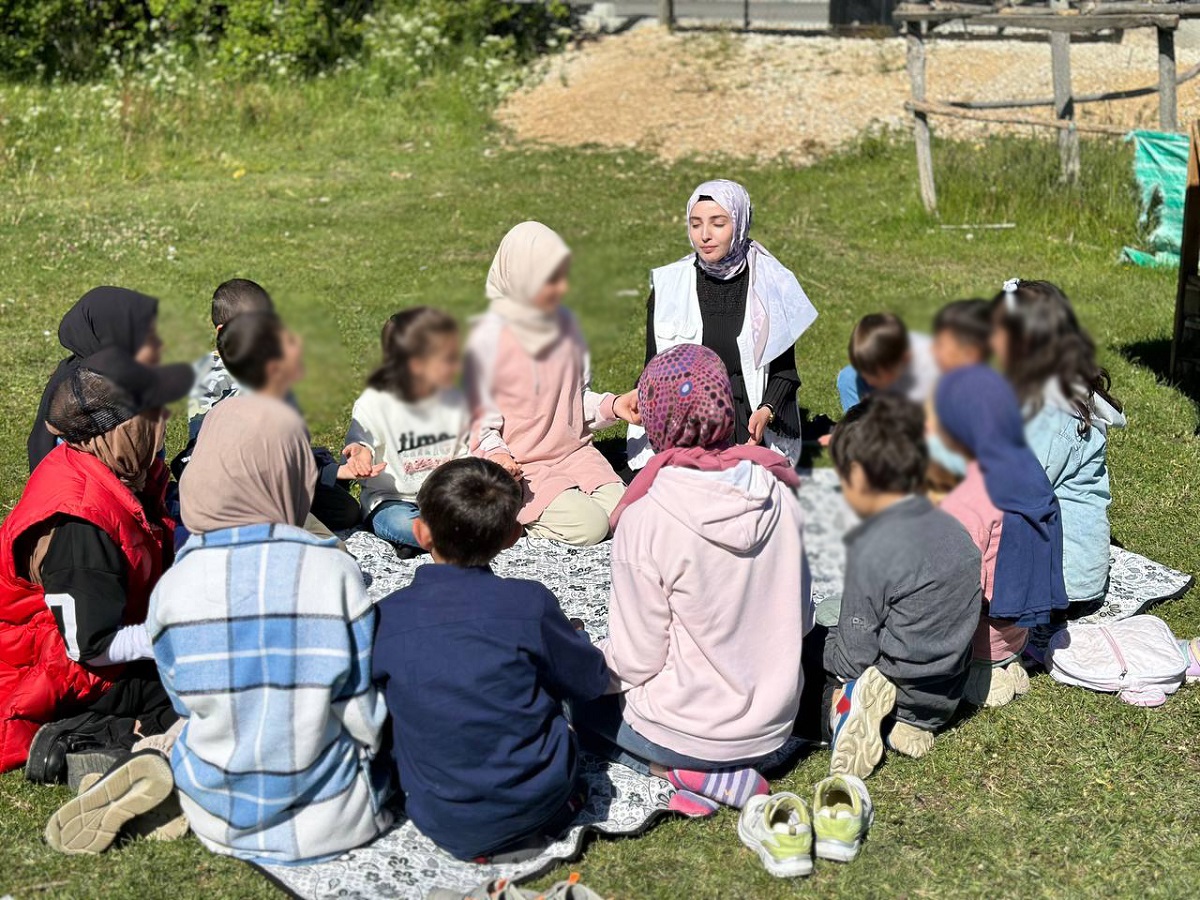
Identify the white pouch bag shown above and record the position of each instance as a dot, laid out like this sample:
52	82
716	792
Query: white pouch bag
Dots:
1136	658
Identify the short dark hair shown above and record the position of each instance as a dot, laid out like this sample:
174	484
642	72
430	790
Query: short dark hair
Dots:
470	506
248	343
406	337
969	321
885	435
878	342
237	296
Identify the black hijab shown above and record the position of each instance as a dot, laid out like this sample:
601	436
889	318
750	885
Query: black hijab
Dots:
103	317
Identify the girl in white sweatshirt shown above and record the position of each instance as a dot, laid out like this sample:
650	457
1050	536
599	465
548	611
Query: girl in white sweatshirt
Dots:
412	416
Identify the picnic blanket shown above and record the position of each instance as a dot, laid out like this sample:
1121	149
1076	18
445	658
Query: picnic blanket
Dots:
405	864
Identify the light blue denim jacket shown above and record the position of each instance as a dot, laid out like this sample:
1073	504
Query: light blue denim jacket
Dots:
1077	467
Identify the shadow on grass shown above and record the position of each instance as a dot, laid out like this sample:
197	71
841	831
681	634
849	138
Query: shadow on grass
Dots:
1155	356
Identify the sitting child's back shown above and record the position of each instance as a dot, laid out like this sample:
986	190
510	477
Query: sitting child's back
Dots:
475	669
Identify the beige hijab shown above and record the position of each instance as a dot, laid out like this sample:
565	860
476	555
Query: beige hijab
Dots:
252	466
529	254
130	448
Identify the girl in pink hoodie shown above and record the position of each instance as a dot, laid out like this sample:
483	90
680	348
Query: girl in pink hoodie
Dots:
710	596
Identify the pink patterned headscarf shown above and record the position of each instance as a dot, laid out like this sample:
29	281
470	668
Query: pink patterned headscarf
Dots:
687	410
685	399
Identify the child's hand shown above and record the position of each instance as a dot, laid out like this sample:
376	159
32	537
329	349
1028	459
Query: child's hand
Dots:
758	424
360	463
626	407
507	463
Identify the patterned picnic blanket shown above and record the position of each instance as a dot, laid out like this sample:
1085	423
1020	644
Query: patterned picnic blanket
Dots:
405	864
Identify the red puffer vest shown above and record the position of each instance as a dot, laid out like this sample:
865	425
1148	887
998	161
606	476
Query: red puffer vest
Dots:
38	681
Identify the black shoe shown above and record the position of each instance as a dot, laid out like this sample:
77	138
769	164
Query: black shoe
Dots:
63	752
404	551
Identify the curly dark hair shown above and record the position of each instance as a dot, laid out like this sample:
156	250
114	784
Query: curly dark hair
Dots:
1045	341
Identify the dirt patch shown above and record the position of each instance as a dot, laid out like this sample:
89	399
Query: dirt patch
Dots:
765	96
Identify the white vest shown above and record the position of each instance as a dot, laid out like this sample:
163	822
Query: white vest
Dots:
677	321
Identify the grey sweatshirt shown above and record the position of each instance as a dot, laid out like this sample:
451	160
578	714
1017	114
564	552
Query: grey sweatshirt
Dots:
912	597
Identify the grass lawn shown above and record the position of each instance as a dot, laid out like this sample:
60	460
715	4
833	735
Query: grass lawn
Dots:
350	207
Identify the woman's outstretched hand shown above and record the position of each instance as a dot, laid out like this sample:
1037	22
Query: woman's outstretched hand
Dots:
626	407
758	424
507	463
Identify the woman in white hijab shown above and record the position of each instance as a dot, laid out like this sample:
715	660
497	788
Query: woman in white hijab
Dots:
735	298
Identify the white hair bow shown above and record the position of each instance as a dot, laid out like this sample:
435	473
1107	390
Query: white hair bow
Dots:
1010	294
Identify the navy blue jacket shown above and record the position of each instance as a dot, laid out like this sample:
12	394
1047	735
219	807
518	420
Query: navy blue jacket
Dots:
476	668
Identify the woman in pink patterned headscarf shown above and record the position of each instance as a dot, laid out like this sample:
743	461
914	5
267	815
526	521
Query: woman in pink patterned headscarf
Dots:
688	412
710	597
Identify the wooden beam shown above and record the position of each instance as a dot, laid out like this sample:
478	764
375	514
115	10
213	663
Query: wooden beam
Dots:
951	112
915	46
1064	105
1101	97
1167	80
1066	23
666	13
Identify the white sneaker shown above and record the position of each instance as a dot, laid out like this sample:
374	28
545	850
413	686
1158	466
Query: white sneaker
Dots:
779	829
842	815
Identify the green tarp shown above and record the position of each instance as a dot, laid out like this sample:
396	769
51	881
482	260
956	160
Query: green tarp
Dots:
1160	166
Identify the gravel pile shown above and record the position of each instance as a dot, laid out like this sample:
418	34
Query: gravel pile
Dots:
799	98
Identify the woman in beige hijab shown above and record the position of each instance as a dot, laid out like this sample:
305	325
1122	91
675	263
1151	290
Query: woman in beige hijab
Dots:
252	466
528	376
263	633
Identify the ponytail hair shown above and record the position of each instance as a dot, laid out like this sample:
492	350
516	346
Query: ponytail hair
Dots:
406	336
1046	341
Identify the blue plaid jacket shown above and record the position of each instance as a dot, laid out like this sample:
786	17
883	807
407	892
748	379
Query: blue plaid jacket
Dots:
263	639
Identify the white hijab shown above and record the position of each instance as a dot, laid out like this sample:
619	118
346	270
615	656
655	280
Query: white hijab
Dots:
528	255
780	311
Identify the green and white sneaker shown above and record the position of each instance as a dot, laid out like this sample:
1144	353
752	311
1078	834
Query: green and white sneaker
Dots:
842	815
779	829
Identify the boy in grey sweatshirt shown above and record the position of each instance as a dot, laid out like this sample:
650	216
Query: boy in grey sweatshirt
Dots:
912	596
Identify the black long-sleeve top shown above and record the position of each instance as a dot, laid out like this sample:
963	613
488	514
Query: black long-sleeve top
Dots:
723	314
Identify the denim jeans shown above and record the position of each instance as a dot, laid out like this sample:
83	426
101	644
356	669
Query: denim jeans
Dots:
392	520
603	730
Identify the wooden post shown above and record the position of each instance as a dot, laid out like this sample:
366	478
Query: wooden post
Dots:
1167	106
666	13
1064	106
916	76
746	15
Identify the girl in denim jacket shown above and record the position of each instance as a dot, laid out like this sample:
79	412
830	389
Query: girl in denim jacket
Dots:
1051	362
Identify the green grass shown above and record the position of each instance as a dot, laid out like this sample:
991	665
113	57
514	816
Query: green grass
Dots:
353	205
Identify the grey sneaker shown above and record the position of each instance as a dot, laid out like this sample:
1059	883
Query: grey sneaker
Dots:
91	821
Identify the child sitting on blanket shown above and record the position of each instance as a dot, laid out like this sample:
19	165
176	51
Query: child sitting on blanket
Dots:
1051	362
476	669
962	333
885	356
412	417
1008	507
213	381
266	357
529	380
911	599
710	597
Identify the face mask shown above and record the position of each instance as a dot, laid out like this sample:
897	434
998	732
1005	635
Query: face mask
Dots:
945	457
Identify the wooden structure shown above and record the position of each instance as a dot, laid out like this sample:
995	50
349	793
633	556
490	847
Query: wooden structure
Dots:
1185	342
1059	20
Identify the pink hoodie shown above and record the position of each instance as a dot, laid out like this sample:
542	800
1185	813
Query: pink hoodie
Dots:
710	603
995	639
